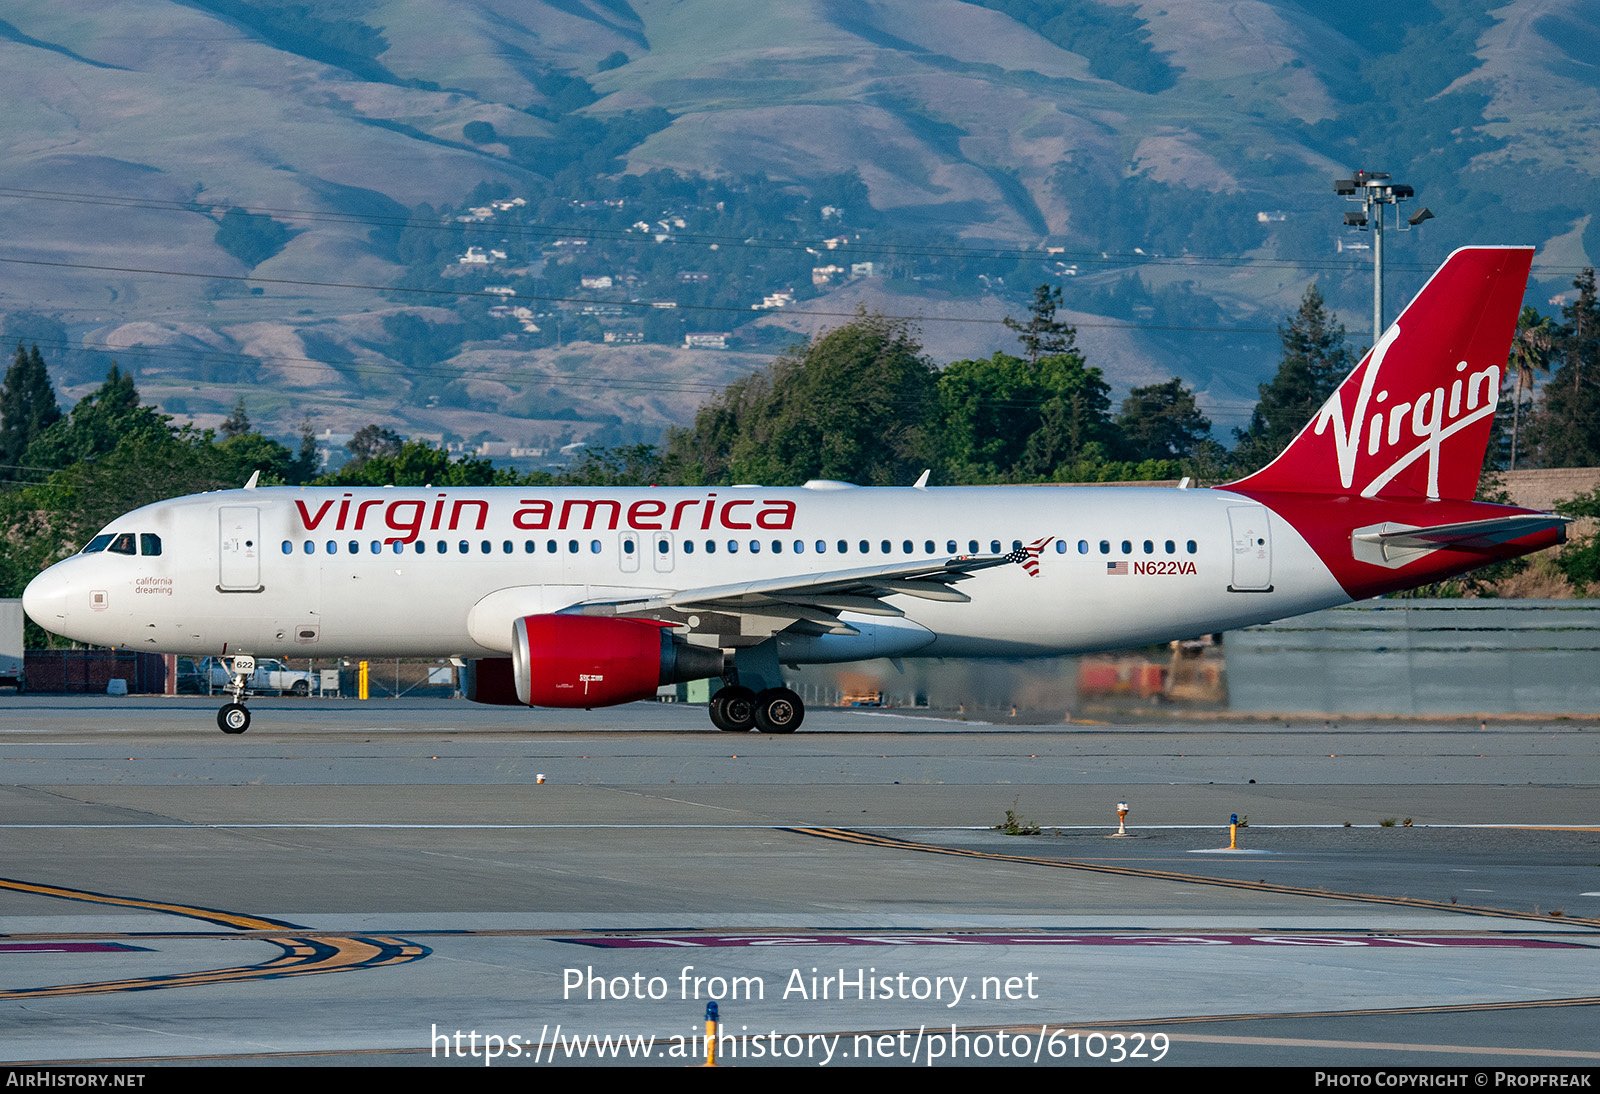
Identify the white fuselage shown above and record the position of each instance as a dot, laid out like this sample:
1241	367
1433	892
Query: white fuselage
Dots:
321	572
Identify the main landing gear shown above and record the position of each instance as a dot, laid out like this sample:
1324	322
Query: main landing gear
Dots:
737	709
234	717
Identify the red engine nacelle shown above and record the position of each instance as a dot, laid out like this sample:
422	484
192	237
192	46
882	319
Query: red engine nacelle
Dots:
596	661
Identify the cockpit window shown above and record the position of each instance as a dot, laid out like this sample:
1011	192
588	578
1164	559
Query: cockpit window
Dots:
149	543
98	543
123	544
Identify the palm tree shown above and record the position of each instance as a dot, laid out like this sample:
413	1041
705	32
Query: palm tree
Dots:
1530	353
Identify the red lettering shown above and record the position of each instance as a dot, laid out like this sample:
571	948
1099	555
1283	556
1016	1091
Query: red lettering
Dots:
412	527
677	511
308	522
344	510
775	509
361	512
589	508
641	509
711	507
540	511
726	523
455	513
438	513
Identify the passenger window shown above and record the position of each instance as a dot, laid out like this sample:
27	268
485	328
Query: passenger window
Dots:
1127	546
594	546
377	547
309	547
463	547
527	546
994	546
755	546
1016	545
355	548
688	546
333	546
149	543
927	547
866	548
505	548
1061	546
711	546
844	546
421	547
950	547
777	546
288	548
799	546
1172	548
442	547
1149	548
905	547
398	546
483	547
550	546
1105	547
1191	547
627	546
572	546
885	546
124	545
1083	546
733	546
972	546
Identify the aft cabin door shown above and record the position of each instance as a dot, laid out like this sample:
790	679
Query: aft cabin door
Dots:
239	549
1252	549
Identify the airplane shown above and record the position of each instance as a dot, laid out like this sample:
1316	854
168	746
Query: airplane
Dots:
581	597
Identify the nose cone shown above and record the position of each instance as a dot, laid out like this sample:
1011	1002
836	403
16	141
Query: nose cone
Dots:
45	599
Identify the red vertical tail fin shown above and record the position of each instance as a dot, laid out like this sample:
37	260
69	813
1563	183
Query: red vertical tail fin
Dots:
1412	420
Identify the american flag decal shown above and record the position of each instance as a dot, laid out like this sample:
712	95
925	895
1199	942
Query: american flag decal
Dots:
1028	557
1117	568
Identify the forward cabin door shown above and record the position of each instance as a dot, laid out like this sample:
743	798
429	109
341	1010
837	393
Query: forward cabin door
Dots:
1252	549
239	549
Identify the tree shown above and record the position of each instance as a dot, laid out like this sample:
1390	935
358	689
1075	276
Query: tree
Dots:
98	423
371	442
1530	356
27	408
308	460
855	404
1568	422
1042	335
1162	421
237	423
1315	360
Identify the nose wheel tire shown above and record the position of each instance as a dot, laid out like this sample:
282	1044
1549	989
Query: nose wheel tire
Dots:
779	710
733	710
233	718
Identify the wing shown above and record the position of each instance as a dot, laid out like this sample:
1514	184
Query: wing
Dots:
809	603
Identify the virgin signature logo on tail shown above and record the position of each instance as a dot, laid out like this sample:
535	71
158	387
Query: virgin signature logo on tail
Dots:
1412	419
1423	423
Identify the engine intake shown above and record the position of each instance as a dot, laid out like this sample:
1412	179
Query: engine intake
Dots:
596	661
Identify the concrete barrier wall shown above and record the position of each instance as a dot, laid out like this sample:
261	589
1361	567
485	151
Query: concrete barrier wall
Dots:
1422	657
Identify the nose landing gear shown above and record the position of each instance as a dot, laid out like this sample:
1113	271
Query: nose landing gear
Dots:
234	717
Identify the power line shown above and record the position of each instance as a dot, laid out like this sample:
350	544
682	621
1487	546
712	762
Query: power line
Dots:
687	238
640	304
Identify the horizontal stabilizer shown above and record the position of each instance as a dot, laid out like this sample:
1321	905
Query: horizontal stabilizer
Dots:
1395	544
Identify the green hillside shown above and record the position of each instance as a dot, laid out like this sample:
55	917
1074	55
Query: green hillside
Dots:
289	200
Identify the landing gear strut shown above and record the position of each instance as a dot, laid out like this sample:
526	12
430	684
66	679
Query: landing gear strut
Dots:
234	717
737	709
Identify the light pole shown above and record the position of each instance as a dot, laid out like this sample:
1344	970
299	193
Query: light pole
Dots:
1373	190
